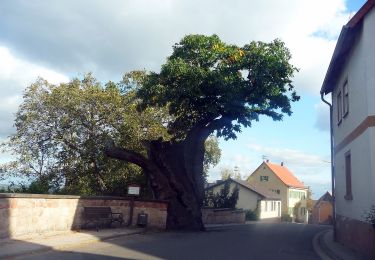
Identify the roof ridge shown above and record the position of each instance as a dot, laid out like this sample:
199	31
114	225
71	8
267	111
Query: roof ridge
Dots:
285	175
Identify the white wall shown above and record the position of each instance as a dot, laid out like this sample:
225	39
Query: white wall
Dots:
355	72
269	212
246	198
293	201
369	43
360	72
363	177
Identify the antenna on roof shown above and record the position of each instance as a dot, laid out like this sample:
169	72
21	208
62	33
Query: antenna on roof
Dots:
264	158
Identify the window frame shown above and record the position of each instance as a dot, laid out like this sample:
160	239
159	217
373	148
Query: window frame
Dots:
348	176
345	99
339	107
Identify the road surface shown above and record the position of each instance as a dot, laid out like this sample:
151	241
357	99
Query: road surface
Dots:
250	241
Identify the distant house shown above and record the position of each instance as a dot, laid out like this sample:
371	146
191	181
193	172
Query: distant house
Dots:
283	184
350	80
252	198
322	210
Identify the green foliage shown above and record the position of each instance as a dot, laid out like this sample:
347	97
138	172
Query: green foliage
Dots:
205	85
212	154
252	215
206	79
224	199
296	209
370	216
62	130
286	218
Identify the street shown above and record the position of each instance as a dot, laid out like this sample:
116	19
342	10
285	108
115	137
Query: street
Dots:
250	241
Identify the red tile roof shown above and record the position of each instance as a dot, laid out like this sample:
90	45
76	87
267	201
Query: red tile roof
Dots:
285	175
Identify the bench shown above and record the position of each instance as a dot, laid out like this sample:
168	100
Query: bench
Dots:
100	216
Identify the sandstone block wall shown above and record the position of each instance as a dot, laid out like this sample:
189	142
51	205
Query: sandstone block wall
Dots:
23	214
222	216
357	235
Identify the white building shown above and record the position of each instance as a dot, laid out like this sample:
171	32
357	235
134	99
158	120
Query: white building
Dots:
252	198
280	181
351	81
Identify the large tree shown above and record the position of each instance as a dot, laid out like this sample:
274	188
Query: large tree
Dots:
61	132
60	135
157	121
208	87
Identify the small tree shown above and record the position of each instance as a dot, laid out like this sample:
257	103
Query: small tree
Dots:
222	199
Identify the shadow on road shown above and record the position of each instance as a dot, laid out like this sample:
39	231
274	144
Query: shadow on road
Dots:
251	241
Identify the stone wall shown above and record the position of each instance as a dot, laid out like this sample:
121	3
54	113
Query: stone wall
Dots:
22	214
356	235
222	216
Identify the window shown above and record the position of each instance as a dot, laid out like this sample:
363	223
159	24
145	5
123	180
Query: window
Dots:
348	176
263	178
266	206
346	98
303	211
278	191
339	107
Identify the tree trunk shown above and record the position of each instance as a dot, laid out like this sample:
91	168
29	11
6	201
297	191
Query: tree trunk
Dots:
175	171
182	185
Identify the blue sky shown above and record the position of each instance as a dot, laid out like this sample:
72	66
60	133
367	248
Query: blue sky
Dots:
108	38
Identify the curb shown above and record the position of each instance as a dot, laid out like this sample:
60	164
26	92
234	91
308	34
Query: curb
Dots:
320	248
70	246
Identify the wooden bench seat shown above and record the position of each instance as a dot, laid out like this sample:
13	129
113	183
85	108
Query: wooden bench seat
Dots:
100	216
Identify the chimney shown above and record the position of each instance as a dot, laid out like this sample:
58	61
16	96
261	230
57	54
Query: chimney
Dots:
282	163
267	161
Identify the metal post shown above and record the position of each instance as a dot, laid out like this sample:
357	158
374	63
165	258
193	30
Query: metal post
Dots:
130	221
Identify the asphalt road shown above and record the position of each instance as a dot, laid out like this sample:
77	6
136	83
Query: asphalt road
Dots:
250	241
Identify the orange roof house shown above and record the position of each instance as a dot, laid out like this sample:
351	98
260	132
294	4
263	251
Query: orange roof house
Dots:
285	175
282	182
322	210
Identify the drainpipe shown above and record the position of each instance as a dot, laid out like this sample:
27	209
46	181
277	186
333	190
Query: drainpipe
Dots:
332	168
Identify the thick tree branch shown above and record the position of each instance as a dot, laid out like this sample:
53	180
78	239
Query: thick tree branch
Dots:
129	156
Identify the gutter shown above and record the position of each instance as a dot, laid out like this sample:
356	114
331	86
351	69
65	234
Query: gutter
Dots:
332	167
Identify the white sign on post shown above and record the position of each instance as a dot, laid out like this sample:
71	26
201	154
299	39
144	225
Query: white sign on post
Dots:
133	190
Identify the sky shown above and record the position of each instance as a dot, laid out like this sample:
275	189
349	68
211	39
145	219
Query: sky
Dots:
69	38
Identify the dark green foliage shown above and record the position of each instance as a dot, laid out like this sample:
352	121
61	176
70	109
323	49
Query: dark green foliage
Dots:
252	215
206	79
286	218
224	199
370	216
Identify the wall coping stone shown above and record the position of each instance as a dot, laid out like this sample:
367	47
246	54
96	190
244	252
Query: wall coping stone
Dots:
53	196
224	209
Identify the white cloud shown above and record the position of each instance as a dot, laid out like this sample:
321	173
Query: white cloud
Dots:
289	156
322	117
15	75
110	37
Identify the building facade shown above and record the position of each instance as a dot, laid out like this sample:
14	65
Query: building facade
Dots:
350	80
252	198
322	211
283	184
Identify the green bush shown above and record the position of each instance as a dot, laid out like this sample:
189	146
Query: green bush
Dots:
252	215
370	216
286	218
223	199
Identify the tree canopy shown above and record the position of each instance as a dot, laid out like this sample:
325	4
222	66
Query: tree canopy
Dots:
208	82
